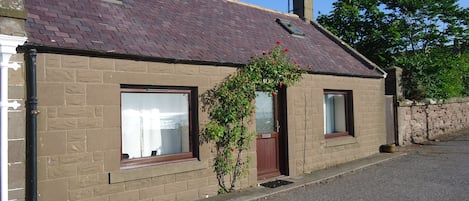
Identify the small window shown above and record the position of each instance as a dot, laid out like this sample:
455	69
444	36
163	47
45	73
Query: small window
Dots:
291	28
158	124
338	113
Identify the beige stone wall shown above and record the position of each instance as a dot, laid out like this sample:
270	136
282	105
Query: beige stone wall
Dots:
420	123
309	150
79	131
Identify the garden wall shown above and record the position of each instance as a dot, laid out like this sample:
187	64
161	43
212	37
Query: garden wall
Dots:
427	121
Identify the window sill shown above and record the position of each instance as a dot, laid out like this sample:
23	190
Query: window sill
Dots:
124	175
339	141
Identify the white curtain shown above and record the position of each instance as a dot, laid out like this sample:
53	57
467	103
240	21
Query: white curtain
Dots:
154	123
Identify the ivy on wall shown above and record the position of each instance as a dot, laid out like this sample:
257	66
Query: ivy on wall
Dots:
231	108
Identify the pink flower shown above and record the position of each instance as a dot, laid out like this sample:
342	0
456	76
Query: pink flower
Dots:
286	49
232	149
274	93
278	42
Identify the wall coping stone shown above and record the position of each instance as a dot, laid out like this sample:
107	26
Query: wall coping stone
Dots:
427	101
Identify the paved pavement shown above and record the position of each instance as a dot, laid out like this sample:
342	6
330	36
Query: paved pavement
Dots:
437	170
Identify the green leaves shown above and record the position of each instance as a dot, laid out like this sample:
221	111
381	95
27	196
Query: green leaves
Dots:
427	38
231	108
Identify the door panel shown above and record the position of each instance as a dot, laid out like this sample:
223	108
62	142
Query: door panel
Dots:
267	141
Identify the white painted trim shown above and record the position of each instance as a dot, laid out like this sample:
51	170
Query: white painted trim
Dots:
8	46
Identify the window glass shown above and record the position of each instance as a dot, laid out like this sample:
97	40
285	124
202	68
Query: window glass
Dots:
334	113
154	124
264	112
338	113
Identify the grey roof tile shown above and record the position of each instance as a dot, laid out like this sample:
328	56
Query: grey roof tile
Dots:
216	31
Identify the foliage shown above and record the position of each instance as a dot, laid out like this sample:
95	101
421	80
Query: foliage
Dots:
428	39
438	73
231	108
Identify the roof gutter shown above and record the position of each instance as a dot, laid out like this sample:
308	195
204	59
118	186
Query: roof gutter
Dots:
349	49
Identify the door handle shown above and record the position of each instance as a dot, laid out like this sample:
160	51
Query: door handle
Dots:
277	126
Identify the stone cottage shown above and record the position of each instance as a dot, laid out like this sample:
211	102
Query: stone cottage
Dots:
117	113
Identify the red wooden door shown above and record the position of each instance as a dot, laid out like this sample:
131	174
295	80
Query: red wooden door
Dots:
267	128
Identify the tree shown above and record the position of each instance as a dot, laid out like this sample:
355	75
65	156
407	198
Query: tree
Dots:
428	39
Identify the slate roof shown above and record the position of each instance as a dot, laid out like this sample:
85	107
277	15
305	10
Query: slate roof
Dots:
216	31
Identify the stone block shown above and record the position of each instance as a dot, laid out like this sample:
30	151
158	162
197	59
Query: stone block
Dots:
112	160
98	156
16	125
76	147
75	112
75	100
130	66
103	139
112	117
16	194
185	69
41	168
99	111
170	197
70	159
166	179
53	190
175	187
188	195
155	67
90	168
75	88
12	26
52	144
52	60
197	183
89	76
61	124
81	194
76	136
102	64
60	75
138	184
61	171
103	94
108	189
16	176
151	192
16	151
50	94
79	62
86	181
17	92
90	123
125	196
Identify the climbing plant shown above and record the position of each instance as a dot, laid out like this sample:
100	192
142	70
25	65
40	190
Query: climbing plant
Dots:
231	107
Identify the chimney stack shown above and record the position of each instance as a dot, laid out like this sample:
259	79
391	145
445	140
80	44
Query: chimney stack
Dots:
304	9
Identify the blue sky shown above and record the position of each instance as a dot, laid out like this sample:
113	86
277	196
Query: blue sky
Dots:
323	6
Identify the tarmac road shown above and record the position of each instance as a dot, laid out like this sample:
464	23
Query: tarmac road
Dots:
435	171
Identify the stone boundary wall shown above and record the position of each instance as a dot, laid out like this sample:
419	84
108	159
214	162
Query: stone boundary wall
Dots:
420	122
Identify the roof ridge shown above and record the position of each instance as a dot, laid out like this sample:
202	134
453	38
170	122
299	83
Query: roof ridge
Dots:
262	8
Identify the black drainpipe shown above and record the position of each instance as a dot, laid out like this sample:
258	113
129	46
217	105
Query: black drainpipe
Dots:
31	126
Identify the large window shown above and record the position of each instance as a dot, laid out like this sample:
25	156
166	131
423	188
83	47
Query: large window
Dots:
338	113
158	124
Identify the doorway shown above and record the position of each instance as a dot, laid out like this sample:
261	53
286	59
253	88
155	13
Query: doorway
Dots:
271	135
